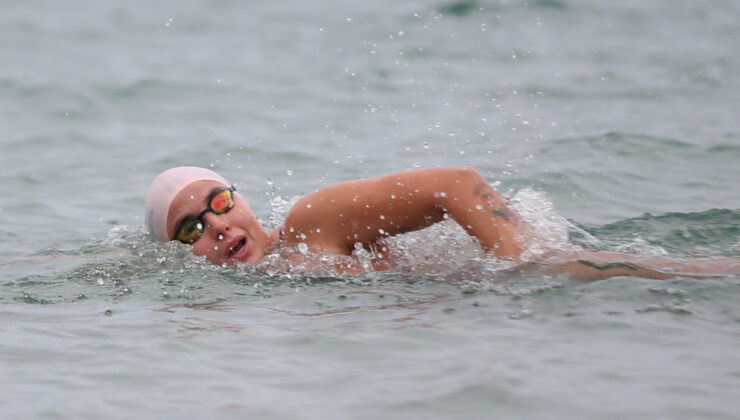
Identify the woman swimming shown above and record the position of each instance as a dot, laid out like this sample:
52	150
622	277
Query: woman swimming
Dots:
197	206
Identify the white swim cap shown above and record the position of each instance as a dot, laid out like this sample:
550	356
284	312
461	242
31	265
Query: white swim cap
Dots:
165	188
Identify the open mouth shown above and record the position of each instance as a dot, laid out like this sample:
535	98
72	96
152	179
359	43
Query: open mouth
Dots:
238	248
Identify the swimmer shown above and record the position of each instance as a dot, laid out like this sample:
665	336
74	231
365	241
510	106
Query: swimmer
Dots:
199	207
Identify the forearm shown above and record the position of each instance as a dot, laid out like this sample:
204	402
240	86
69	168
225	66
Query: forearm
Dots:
483	213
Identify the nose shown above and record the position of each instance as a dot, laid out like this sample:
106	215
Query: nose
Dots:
216	224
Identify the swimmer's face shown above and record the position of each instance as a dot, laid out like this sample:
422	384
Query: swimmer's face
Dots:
234	236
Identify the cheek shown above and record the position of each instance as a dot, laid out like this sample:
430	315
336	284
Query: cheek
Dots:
206	249
243	218
203	247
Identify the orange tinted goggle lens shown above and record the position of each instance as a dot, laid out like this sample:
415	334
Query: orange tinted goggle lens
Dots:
222	202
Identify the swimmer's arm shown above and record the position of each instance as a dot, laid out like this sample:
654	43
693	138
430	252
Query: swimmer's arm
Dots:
597	265
334	218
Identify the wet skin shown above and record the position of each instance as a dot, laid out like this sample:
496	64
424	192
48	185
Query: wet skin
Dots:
335	218
238	229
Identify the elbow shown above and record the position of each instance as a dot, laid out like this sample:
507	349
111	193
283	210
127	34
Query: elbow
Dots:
460	185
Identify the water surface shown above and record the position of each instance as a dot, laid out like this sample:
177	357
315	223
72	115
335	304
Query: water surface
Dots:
616	123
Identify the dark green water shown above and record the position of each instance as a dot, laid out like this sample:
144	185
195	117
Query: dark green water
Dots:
613	125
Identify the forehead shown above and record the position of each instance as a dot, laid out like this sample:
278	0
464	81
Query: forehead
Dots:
191	200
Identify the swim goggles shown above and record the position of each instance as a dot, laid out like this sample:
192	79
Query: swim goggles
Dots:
192	227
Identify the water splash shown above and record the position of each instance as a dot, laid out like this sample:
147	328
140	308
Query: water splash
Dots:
640	246
547	231
279	208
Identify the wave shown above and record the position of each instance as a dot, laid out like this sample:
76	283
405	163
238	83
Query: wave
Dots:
709	233
463	8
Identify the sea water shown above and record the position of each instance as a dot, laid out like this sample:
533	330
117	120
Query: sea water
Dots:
613	125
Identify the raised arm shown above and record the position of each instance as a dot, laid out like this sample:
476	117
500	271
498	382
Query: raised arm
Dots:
334	218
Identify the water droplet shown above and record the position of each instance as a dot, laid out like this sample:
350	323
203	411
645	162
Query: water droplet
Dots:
381	231
291	229
192	197
308	206
478	207
382	217
393	196
443	194
318	230
289	172
426	145
303	248
220	237
303	236
108	312
199	226
215	248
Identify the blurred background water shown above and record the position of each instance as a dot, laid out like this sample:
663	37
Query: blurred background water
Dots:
616	120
